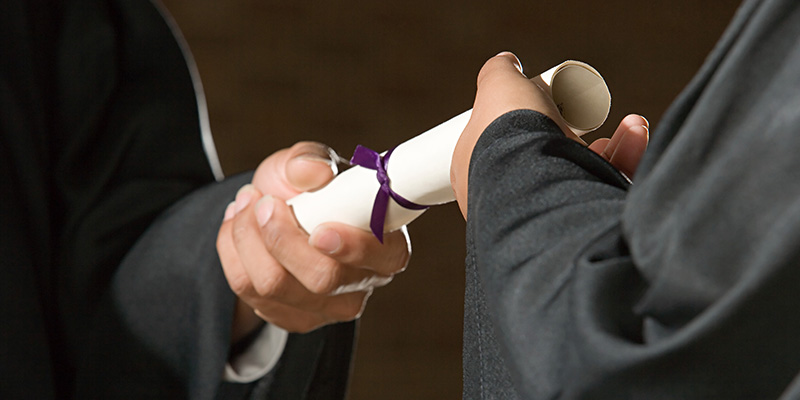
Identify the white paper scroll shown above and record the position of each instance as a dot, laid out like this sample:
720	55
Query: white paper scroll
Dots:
419	169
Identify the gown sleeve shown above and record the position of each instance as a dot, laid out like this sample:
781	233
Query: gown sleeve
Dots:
683	286
143	306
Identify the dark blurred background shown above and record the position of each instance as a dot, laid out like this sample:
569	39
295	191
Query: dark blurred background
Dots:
380	72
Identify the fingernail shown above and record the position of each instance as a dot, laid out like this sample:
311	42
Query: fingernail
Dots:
243	197
632	128
314	157
304	171
230	211
646	123
517	62
326	240
264	209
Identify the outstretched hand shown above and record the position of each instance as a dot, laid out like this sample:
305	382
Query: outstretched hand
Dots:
285	276
503	87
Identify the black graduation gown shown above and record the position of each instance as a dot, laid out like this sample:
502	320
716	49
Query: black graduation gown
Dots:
104	293
686	285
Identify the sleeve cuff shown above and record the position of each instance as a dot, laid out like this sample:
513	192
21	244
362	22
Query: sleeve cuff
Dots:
258	359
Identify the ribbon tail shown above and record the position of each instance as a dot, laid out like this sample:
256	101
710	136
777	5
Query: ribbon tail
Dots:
378	217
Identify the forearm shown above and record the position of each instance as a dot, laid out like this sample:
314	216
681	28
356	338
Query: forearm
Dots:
537	202
602	294
529	181
168	308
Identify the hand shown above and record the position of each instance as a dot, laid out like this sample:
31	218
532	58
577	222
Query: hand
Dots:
502	87
280	273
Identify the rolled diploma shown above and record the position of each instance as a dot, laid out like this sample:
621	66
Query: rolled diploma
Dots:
419	169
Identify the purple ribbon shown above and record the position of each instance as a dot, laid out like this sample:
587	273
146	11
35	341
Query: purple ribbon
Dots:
370	159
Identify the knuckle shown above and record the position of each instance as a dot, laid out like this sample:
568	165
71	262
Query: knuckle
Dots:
322	284
240	284
270	285
486	71
221	242
325	278
239	234
272	235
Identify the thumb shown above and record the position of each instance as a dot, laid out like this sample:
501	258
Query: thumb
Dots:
310	166
302	167
502	87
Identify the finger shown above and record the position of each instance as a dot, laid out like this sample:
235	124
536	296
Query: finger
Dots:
288	244
630	149
267	278
244	321
627	123
599	146
501	88
303	167
232	267
359	248
287	304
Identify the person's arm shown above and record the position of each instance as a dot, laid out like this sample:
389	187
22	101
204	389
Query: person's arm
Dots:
136	301
296	281
165	327
539	201
167	321
684	287
503	87
542	210
124	146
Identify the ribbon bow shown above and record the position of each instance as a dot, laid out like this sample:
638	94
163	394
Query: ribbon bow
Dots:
370	159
